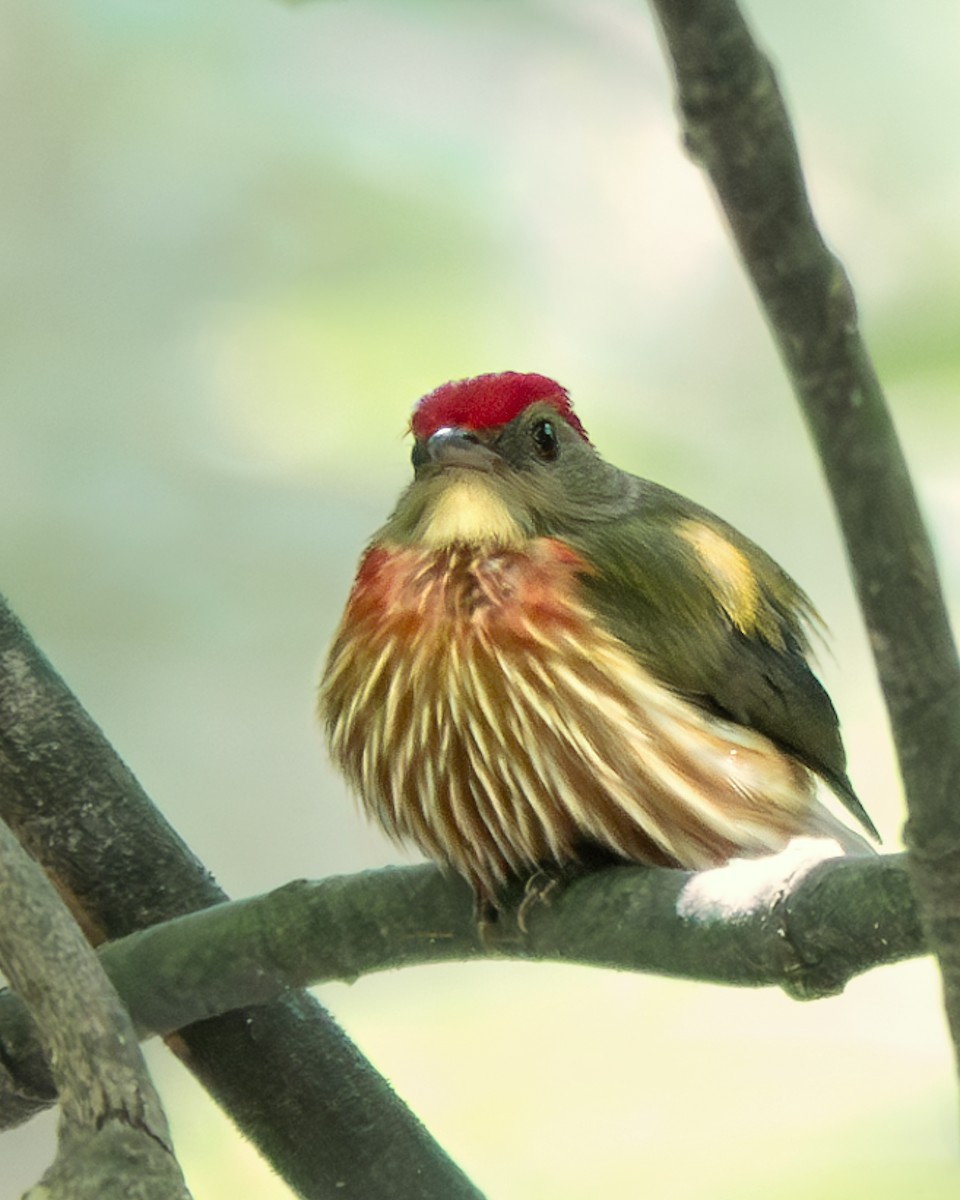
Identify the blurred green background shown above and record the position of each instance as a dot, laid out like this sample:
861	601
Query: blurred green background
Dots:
238	240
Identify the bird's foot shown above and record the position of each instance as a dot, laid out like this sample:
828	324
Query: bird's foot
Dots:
542	887
545	884
486	917
493	929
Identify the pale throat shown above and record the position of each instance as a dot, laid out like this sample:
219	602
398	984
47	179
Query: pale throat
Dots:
469	512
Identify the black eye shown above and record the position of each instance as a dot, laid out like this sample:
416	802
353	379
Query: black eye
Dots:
545	440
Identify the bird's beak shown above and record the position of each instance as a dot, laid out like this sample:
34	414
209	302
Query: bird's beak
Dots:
455	447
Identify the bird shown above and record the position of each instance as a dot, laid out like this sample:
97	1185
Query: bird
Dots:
545	661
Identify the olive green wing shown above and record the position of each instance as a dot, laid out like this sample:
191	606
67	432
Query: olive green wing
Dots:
714	617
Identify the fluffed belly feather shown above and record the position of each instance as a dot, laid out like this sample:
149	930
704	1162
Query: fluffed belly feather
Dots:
479	709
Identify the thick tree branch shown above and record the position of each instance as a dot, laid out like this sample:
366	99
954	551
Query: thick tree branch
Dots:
114	1140
286	1073
735	124
803	923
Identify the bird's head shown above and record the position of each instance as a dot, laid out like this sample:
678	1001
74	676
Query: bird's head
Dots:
497	459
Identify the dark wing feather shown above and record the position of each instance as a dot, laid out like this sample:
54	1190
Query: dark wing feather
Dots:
775	692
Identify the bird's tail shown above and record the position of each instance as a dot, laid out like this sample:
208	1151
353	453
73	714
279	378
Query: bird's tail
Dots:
821	822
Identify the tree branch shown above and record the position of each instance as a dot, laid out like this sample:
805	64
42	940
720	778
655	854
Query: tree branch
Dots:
803	923
286	1073
114	1140
735	124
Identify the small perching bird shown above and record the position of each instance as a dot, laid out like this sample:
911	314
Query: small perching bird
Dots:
544	657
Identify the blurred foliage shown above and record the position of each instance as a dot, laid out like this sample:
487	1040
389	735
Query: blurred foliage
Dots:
239	239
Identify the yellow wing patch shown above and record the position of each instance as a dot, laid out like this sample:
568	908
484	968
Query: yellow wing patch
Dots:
731	578
469	511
